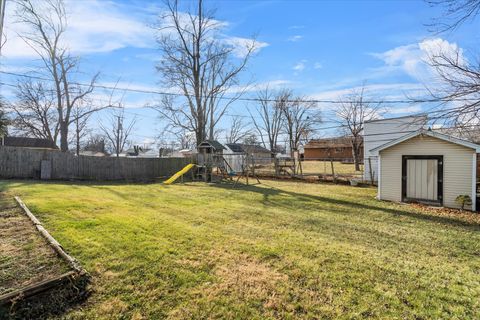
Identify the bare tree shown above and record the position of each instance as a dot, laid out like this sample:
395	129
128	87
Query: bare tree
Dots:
118	131
301	117
96	143
47	23
4	119
200	65
351	114
237	130
268	120
457	81
34	111
455	13
81	130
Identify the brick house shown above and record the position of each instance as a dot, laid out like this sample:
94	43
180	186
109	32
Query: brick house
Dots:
339	148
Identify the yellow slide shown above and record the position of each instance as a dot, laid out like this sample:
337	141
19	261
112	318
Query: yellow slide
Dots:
179	174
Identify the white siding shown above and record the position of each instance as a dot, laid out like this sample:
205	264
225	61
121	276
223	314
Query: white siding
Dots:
379	132
457	167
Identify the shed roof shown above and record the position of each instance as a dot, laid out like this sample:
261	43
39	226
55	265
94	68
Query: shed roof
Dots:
213	143
430	133
250	148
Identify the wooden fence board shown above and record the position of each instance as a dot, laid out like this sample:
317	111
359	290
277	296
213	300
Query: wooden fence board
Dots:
26	163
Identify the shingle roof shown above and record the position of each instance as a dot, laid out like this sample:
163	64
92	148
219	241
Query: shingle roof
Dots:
28	142
214	143
250	148
329	143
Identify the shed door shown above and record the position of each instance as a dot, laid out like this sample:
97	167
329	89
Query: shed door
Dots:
422	179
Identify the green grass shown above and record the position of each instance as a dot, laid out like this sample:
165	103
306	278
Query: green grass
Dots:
279	250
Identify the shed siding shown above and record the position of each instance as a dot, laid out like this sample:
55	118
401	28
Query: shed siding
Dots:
457	167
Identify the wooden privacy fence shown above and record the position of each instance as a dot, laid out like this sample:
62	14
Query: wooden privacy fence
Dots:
54	164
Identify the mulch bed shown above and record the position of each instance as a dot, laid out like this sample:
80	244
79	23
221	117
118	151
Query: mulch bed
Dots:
464	216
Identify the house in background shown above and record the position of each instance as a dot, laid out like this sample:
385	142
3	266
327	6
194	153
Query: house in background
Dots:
339	148
24	142
379	132
89	153
235	154
258	152
427	167
184	153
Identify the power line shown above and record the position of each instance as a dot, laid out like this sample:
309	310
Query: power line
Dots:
143	91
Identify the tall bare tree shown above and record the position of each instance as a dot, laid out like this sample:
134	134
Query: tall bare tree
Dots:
34	111
200	65
46	22
118	131
268	119
301	117
237	131
351	114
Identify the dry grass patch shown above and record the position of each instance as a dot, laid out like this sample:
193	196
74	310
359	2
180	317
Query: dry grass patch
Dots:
238	278
25	257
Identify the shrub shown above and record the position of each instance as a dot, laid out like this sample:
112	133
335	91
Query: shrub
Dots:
463	200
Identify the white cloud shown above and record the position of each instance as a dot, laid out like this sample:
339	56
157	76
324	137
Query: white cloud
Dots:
300	66
96	26
397	110
412	58
295	27
317	65
93	26
385	91
241	45
295	38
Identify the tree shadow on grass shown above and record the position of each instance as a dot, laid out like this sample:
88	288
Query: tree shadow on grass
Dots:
268	191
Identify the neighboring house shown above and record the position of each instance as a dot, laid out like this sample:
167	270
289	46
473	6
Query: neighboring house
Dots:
184	153
139	152
378	132
252	149
25	142
93	153
429	167
339	148
235	155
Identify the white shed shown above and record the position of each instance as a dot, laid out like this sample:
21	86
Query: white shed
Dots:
380	131
429	167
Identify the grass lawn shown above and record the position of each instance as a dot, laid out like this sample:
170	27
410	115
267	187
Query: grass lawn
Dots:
325	167
280	250
318	168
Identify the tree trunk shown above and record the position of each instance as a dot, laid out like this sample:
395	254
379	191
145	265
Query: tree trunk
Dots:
63	136
356	154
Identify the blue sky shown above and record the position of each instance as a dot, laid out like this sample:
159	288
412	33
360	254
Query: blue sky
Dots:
321	49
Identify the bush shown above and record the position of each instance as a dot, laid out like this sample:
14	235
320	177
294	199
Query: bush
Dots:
463	200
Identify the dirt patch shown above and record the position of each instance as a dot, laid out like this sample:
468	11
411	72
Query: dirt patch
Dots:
27	260
25	257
